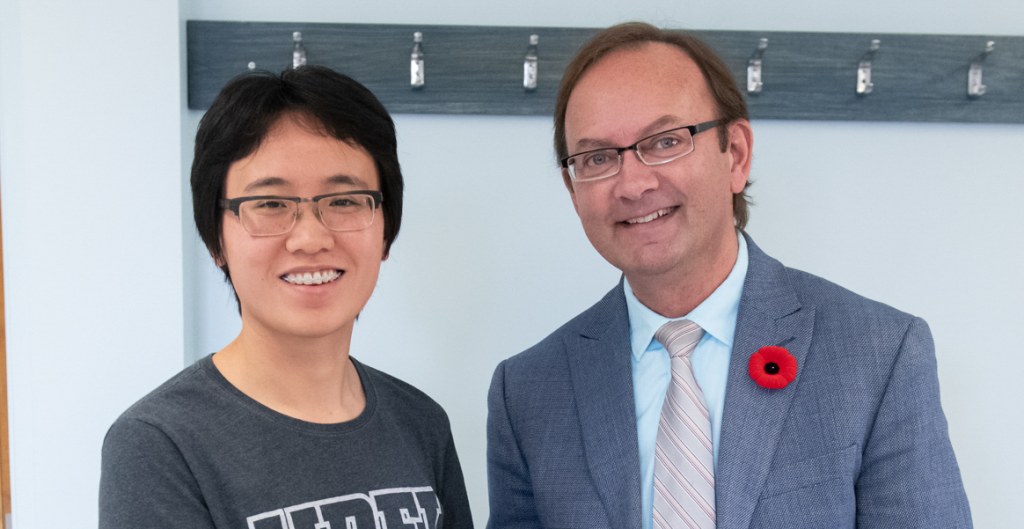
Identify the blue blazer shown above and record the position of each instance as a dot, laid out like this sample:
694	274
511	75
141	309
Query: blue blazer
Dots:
857	440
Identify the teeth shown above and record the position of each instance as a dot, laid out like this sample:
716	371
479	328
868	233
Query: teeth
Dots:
315	278
648	218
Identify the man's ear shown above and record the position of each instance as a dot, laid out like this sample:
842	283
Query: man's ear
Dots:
740	150
567	180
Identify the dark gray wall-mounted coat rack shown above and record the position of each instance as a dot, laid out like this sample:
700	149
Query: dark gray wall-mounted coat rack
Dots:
480	69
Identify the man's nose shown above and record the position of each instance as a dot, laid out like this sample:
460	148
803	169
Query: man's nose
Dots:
635	178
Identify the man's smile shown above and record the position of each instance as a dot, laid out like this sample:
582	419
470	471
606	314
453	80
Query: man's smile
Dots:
644	219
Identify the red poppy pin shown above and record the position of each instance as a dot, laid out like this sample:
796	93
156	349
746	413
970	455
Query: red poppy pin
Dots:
772	367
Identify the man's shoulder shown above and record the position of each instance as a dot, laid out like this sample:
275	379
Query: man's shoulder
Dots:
828	297
595	319
767	277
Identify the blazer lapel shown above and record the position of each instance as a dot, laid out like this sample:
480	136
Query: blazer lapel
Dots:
770	314
599	364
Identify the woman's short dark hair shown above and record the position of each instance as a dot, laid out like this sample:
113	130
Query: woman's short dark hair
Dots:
245	110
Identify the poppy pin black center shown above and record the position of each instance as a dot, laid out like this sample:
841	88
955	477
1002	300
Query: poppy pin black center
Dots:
771	368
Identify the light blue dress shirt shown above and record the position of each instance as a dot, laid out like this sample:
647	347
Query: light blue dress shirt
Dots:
652	369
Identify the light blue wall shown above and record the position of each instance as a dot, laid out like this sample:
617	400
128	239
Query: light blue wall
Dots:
491	257
90	165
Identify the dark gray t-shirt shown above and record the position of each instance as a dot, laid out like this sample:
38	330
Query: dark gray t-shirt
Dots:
197	453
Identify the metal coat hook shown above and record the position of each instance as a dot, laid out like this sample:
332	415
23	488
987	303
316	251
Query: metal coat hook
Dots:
298	51
754	83
530	65
416	75
975	87
864	84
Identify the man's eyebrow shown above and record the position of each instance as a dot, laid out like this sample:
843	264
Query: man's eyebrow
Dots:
660	124
654	127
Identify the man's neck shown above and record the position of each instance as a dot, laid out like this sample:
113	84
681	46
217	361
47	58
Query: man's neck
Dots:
675	293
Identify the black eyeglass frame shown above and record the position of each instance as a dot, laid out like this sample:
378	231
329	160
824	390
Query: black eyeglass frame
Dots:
234	204
693	129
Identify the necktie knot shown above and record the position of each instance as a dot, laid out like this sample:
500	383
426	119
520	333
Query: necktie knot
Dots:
679	337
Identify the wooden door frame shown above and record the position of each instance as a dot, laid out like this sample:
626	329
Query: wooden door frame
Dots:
5	461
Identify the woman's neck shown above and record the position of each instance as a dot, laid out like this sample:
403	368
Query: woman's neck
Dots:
311	379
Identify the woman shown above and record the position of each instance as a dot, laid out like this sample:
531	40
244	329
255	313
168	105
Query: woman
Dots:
297	194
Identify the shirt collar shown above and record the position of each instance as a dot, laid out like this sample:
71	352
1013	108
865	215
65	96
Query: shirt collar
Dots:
716	314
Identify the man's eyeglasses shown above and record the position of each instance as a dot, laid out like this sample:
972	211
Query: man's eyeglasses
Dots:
264	216
656	149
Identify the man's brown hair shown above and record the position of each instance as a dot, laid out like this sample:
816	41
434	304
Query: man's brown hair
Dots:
631	35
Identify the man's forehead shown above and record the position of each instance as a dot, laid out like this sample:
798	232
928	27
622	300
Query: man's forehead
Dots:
659	58
634	91
631	130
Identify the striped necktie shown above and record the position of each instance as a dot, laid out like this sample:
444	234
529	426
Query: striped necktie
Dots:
684	475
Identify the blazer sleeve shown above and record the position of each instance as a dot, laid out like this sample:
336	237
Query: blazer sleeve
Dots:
508	478
909	477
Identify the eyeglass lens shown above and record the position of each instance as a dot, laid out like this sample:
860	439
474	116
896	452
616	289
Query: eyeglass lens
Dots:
658	149
275	216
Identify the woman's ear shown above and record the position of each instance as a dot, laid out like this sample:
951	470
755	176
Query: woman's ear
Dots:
218	254
218	257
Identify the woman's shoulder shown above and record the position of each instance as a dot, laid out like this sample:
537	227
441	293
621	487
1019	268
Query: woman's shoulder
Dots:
183	399
397	395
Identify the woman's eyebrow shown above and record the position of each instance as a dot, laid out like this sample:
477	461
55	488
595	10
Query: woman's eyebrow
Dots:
270	181
344	179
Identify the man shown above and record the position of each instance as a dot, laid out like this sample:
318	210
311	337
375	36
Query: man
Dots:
655	146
